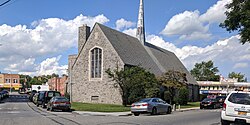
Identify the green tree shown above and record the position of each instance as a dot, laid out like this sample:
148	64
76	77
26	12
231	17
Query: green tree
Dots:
172	81
205	71
54	75
35	81
239	76
25	79
182	96
134	83
238	19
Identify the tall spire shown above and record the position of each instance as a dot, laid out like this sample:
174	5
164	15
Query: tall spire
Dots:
140	33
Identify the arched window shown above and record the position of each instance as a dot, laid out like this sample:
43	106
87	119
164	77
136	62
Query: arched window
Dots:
96	63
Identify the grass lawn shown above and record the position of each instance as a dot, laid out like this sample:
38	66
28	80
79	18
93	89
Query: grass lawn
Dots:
98	107
191	105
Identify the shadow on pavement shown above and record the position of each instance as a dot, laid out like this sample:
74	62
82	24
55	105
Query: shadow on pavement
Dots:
16	98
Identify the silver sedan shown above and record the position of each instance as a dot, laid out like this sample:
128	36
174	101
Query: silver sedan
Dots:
151	105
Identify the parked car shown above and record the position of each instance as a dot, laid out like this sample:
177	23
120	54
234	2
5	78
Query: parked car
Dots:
45	96
32	93
221	99
209	103
1	95
35	98
6	93
236	108
59	102
151	105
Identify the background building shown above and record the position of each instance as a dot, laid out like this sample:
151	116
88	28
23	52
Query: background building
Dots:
58	84
8	81
222	87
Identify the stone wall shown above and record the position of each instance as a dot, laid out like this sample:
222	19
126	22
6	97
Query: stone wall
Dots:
102	90
71	60
83	34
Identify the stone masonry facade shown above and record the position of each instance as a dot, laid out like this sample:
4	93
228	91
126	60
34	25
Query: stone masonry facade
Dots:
94	90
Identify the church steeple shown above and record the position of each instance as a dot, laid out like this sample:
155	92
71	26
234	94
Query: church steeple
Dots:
140	33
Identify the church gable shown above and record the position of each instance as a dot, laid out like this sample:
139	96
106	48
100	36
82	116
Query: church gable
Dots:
89	76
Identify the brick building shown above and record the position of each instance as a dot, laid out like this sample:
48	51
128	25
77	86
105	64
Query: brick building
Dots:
58	84
8	81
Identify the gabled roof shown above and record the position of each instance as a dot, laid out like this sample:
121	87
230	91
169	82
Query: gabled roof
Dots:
155	59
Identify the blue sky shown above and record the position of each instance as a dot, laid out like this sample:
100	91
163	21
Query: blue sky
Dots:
41	34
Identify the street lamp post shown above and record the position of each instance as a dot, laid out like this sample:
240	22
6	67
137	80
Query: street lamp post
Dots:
10	82
70	81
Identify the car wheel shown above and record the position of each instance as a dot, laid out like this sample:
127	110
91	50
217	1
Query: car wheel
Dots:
169	110
136	114
154	111
68	110
214	107
51	109
43	105
224	122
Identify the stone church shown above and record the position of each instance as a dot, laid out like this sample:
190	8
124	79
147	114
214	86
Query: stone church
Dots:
103	48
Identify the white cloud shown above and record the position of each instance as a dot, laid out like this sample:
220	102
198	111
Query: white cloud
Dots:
131	32
224	53
50	36
186	25
23	65
191	25
51	65
216	13
196	35
240	65
245	57
124	24
158	41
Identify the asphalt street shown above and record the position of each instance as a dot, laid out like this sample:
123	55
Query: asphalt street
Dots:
17	110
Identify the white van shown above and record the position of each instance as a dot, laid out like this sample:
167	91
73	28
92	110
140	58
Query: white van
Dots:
236	108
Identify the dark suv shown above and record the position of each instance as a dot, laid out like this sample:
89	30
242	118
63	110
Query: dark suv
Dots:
221	99
45	96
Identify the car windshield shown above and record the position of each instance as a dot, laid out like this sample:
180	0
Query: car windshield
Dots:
240	98
145	100
61	99
57	94
207	99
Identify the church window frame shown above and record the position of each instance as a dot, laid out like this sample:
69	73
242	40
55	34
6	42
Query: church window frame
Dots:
95	63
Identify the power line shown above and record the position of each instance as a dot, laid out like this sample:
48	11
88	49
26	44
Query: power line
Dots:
5	2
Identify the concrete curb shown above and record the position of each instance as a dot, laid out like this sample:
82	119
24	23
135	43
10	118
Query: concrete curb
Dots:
187	109
102	113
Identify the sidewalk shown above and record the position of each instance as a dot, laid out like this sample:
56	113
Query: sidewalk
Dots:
187	109
86	113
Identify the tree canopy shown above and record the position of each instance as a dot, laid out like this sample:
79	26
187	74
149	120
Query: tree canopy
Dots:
205	71
27	80
135	83
173	81
238	19
239	76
